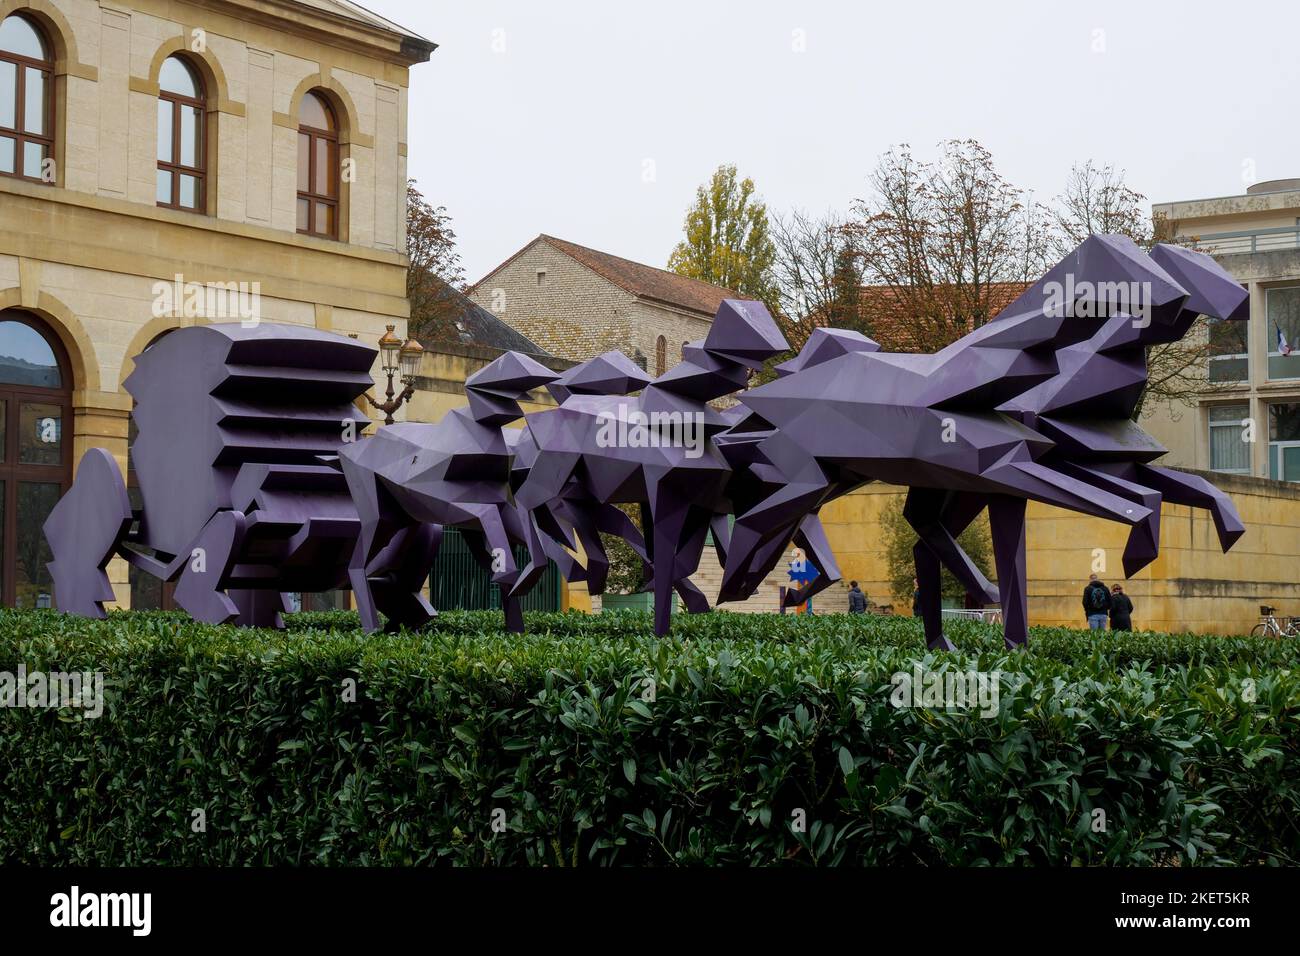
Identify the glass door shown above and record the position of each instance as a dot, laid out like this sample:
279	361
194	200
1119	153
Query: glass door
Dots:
35	456
33	474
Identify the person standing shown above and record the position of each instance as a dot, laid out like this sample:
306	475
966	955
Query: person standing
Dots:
1121	610
916	598
857	600
1096	603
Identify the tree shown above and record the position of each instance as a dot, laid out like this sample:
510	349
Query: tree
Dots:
944	246
1096	199
435	277
900	539
817	276
727	238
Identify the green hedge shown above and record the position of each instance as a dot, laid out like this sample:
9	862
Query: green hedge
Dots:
1190	745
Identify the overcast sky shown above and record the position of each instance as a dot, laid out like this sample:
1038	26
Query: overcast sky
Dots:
595	121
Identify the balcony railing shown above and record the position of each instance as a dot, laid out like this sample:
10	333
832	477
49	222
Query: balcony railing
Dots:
1249	240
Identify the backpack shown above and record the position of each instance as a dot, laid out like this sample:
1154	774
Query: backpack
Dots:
1097	598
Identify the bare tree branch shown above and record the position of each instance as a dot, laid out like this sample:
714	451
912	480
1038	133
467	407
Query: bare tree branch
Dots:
945	246
1096	199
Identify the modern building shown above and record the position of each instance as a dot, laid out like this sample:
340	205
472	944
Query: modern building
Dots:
578	303
171	162
1247	420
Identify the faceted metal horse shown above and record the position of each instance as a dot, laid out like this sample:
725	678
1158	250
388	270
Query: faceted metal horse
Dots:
654	449
1035	405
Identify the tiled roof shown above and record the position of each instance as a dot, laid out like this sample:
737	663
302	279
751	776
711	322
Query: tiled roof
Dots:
643	281
882	308
475	325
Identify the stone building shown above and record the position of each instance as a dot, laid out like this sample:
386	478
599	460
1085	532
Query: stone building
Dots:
171	162
578	303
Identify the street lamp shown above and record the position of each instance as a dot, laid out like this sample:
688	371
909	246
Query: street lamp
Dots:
397	358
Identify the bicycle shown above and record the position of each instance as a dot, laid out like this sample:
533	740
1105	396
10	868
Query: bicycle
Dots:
1269	626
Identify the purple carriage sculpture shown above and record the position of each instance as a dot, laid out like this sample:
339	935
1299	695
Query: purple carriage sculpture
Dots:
239	429
574	518
256	481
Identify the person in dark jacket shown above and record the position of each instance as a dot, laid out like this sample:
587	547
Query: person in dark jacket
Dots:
857	600
1121	610
1096	603
916	598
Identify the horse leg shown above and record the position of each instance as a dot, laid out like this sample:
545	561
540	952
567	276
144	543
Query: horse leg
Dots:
1007	517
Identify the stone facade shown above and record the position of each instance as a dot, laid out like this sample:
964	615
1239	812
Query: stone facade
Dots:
652	321
574	311
90	253
569	310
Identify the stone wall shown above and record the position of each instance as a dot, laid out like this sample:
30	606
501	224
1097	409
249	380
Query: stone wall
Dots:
564	307
677	327
1191	586
571	311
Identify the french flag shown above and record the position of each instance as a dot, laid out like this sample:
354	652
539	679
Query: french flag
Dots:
1283	345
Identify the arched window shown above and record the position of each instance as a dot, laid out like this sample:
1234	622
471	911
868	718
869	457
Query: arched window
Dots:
26	100
661	355
35	453
318	168
182	140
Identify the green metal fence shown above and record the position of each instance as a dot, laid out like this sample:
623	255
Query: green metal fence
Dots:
458	582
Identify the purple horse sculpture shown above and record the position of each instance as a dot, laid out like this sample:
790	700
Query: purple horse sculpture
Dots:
1035	405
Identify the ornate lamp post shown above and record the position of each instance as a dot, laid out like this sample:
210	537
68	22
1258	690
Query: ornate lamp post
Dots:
397	357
